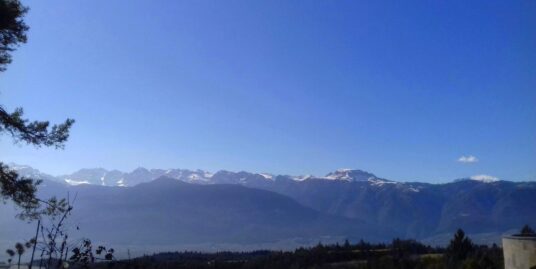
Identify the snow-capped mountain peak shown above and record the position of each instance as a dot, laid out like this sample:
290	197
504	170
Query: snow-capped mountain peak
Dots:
29	172
350	175
484	178
302	178
267	176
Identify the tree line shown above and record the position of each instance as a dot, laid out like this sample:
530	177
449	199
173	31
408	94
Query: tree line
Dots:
461	253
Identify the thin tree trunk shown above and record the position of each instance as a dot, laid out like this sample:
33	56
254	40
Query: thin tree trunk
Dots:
35	243
42	255
52	244
66	253
60	262
129	266
18	265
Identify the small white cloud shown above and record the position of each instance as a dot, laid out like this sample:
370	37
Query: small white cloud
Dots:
468	159
484	178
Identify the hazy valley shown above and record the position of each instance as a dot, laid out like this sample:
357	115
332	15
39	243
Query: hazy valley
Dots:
183	209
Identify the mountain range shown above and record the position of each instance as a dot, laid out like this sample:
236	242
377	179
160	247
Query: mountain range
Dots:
198	209
103	177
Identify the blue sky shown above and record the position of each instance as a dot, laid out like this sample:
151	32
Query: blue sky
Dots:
401	89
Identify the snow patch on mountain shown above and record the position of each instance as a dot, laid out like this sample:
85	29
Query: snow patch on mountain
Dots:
121	183
74	182
380	182
484	178
350	175
301	178
267	176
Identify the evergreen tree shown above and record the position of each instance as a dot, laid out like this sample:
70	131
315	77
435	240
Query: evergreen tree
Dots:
38	133
20	250
459	249
527	231
12	29
347	245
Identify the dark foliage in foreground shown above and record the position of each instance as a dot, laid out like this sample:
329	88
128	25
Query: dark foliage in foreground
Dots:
18	189
526	231
398	254
12	29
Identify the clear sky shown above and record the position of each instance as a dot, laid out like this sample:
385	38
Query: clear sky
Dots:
403	89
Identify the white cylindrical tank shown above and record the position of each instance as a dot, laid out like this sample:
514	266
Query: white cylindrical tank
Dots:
519	252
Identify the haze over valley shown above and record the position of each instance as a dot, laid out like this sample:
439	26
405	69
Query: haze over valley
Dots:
194	209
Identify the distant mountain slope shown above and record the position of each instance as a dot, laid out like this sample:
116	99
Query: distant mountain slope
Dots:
166	211
419	210
416	210
169	211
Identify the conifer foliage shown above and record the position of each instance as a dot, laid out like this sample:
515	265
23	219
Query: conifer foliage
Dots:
37	133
